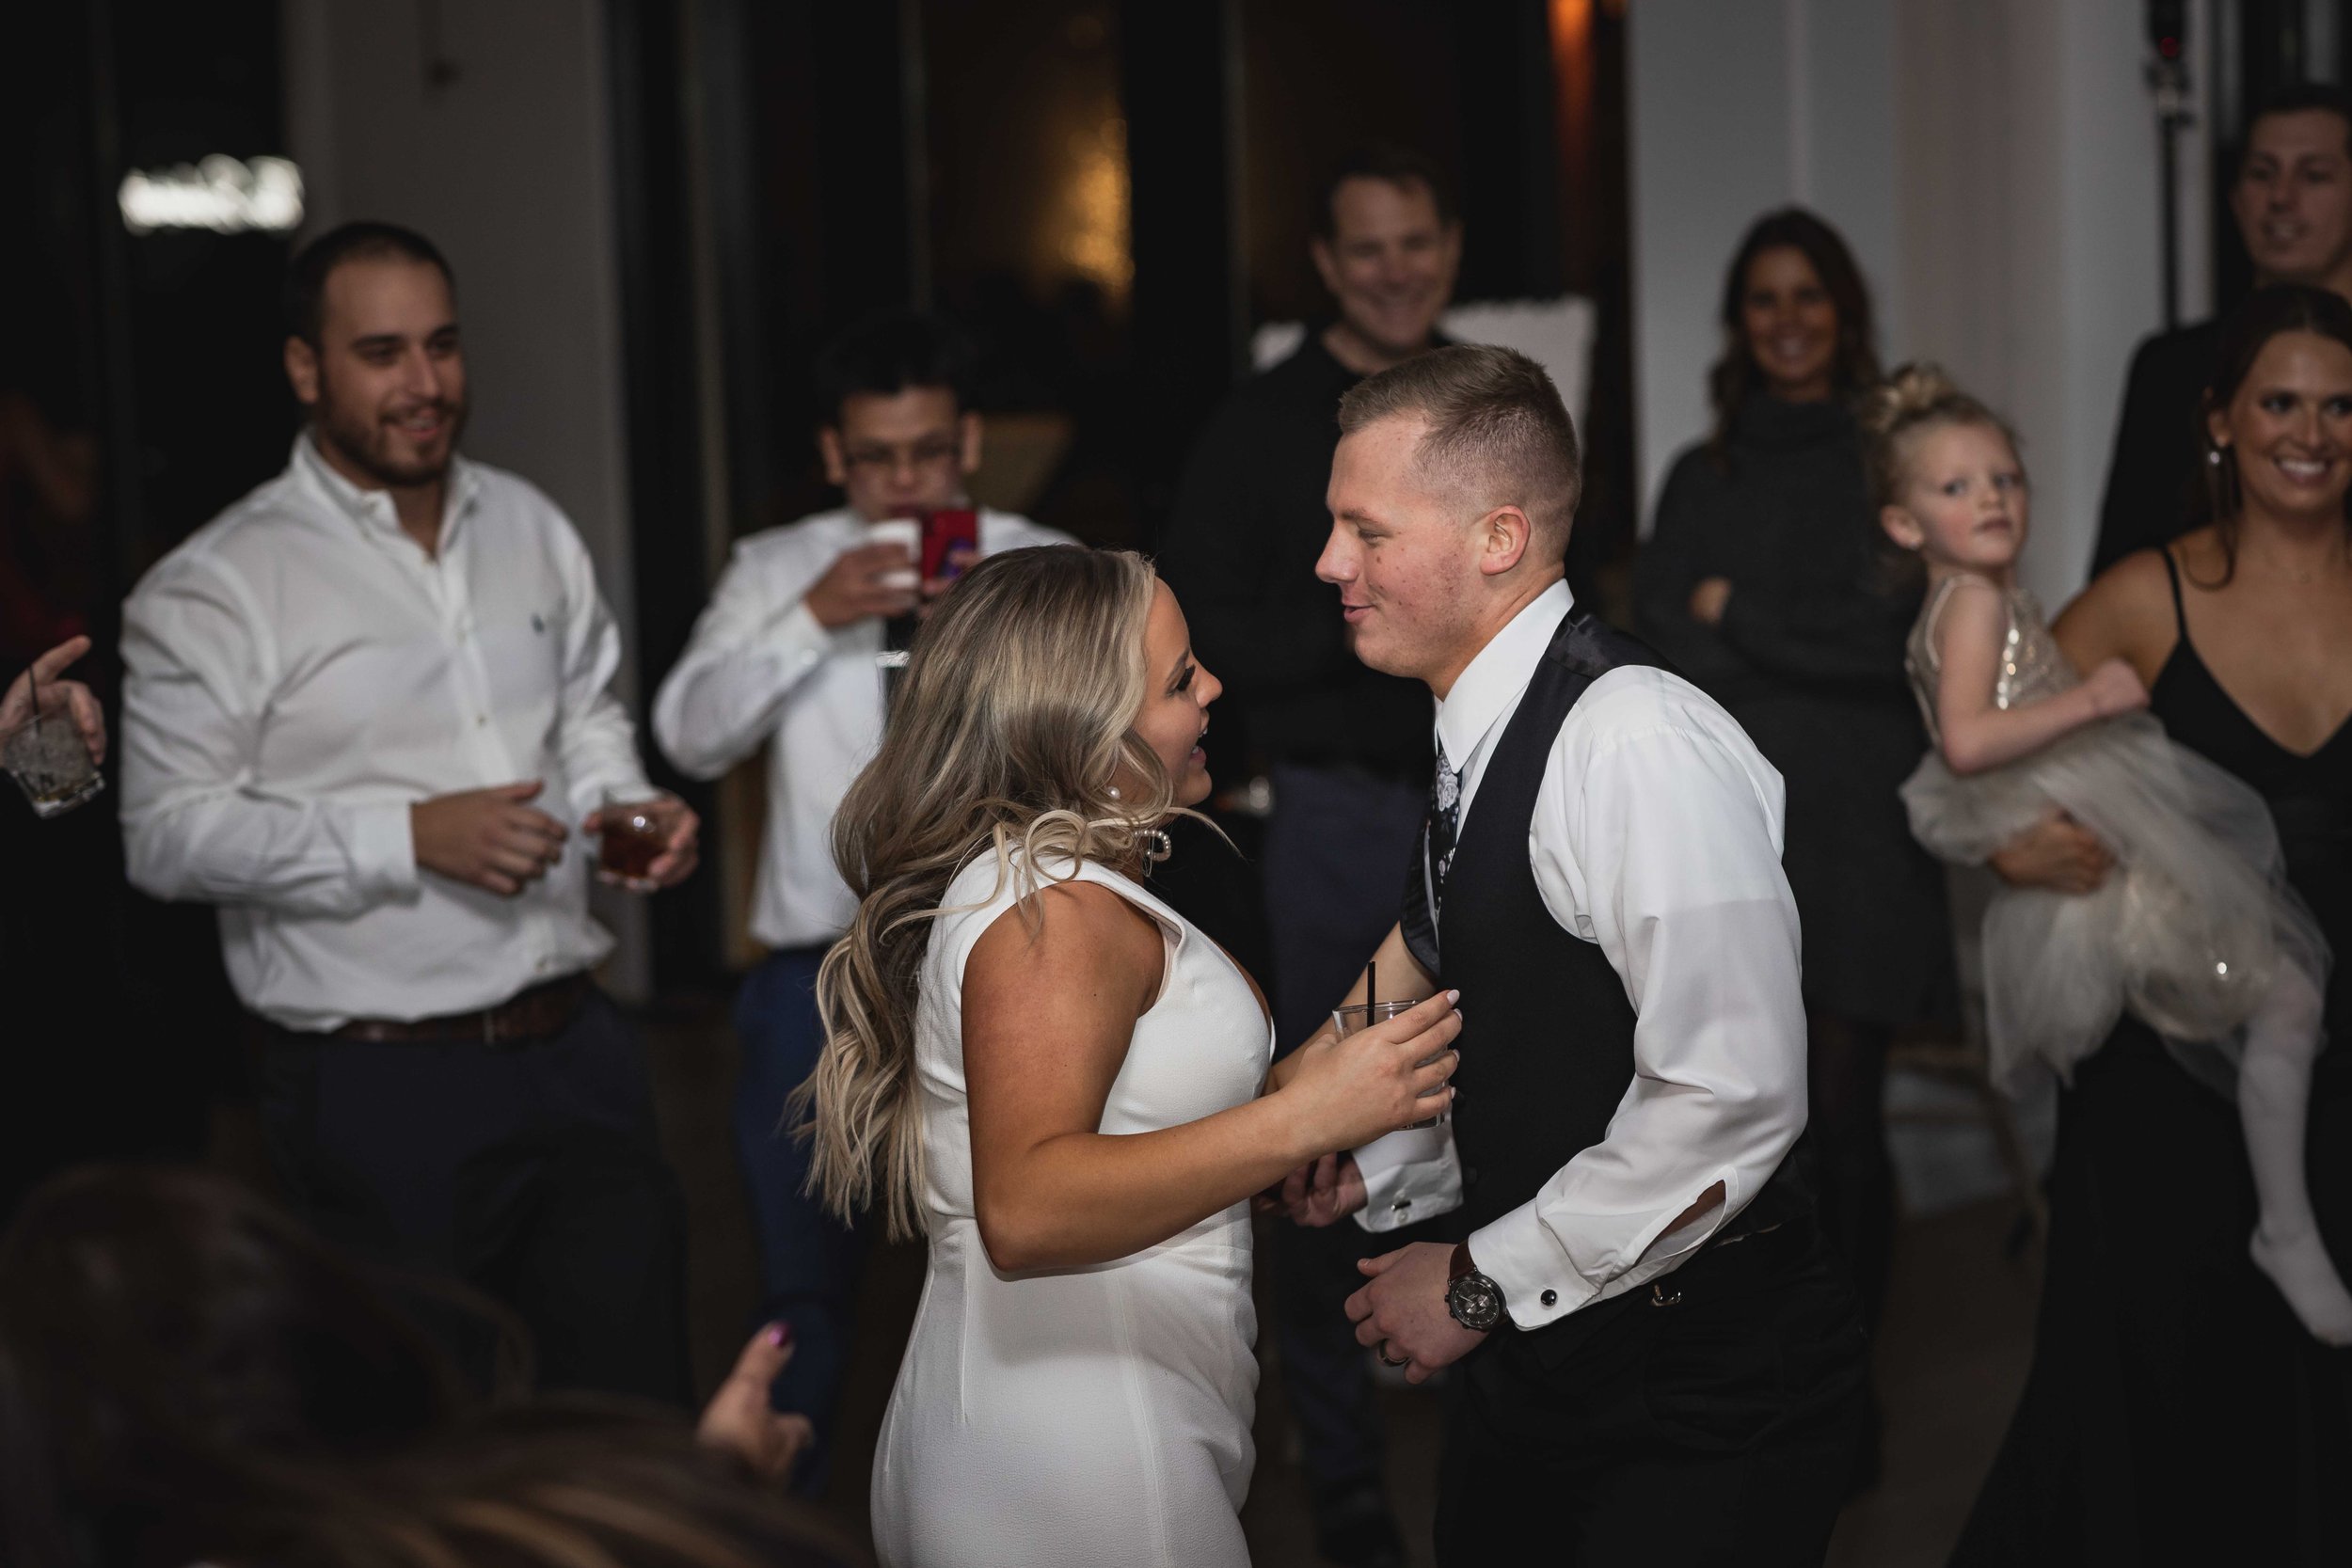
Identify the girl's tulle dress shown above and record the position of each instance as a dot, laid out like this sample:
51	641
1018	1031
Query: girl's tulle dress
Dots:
2189	929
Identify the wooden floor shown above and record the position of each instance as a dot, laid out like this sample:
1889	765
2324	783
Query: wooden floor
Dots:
1950	1359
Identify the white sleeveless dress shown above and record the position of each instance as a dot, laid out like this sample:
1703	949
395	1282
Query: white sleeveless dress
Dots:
1089	1416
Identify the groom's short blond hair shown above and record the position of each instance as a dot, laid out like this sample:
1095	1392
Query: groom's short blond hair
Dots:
1498	433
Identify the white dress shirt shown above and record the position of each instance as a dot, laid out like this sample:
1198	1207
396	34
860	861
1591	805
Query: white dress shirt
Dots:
761	667
300	673
1657	835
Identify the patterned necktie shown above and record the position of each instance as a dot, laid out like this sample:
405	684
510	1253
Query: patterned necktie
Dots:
1445	819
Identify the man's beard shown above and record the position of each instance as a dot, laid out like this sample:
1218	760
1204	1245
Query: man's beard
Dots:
363	439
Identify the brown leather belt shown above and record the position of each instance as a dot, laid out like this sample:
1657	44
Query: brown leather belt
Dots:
527	1015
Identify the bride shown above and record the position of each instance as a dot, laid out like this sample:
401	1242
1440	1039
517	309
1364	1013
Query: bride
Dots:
1063	1084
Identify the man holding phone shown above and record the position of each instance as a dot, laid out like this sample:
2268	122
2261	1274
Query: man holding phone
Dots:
807	629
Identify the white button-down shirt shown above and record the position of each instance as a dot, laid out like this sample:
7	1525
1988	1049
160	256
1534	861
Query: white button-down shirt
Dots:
759	668
1657	836
300	673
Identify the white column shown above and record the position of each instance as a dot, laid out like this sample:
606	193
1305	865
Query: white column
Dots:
1738	108
2032	237
1993	163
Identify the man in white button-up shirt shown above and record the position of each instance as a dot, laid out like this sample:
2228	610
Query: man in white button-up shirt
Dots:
1658	1363
367	715
789	657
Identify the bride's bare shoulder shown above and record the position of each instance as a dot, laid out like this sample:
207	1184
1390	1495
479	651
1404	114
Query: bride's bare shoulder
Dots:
1075	932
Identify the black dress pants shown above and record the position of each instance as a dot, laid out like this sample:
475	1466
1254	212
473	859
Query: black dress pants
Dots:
1718	1428
528	1169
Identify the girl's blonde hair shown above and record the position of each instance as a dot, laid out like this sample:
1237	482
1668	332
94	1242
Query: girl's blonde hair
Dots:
1915	398
1013	717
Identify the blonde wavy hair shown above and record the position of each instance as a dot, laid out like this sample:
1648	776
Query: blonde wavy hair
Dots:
1013	717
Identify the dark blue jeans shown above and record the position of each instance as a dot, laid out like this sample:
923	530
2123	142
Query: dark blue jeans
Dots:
1335	856
808	1260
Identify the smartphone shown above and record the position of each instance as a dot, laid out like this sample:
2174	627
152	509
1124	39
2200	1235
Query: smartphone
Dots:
951	543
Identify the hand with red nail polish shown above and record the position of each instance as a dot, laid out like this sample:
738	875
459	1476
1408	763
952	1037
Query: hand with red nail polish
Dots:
738	1420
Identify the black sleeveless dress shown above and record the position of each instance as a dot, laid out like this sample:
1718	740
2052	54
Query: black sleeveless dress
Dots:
2176	1410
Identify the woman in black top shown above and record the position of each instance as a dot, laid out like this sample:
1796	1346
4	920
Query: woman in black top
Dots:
2176	1411
1762	581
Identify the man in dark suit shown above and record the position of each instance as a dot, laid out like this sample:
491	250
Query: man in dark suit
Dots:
2293	201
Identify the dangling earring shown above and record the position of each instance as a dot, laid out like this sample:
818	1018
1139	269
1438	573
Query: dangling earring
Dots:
1160	848
2212	456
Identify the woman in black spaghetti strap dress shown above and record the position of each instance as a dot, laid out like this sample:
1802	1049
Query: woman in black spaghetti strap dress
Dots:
2176	1411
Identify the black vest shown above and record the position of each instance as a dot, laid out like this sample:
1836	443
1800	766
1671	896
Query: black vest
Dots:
1546	1038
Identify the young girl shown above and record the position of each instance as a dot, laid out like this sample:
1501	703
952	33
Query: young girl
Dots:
2196	931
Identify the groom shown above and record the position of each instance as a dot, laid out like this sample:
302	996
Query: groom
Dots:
1658	1363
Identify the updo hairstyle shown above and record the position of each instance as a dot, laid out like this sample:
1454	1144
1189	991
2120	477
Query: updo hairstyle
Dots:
1915	398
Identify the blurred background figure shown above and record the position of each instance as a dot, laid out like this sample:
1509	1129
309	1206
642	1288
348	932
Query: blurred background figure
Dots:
550	1488
170	1345
1344	748
368	717
188	1373
2292	200
787	658
1764	579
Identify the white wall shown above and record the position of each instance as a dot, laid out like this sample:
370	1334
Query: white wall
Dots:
1739	106
1993	163
508	168
2031	225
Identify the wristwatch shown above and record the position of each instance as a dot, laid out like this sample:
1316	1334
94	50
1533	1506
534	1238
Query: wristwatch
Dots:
1475	1301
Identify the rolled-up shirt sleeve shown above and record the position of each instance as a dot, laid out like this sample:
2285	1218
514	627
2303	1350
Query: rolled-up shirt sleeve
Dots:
1657	835
198	824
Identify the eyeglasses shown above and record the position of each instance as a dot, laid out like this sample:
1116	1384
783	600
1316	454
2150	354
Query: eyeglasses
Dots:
939	452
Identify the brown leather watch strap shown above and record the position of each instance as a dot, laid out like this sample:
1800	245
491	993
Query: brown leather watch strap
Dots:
1461	1264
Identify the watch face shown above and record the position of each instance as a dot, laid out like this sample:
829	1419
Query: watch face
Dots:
1475	1301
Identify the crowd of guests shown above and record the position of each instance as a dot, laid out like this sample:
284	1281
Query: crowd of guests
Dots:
2177	1362
367	715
